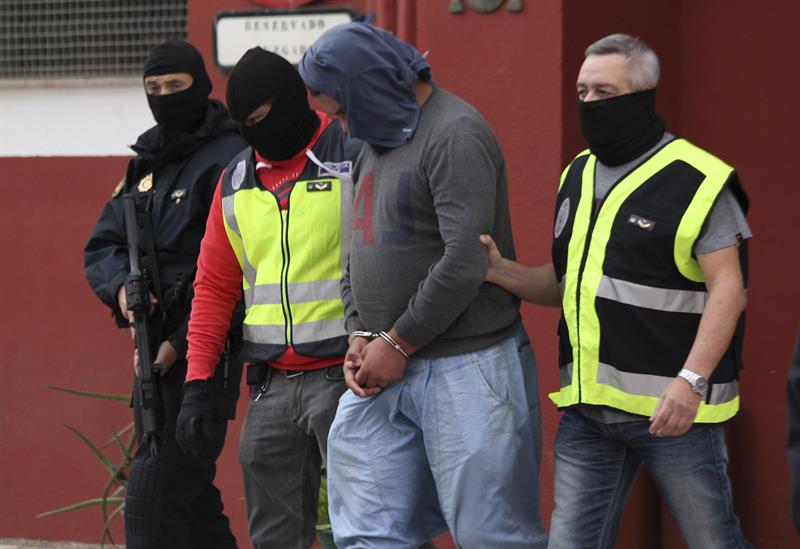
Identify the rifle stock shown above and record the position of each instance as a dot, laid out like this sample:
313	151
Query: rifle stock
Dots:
137	293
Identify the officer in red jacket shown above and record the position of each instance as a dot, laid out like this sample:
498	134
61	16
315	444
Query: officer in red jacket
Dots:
278	225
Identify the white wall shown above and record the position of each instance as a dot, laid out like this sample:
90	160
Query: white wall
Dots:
72	121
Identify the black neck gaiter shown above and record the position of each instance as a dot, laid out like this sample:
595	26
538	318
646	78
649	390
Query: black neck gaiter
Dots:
264	77
622	128
182	112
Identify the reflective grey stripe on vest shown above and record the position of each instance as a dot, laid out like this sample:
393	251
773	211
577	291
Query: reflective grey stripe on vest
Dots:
565	374
230	214
724	392
264	333
660	299
301	333
316	331
299	292
652	385
248	271
637	384
249	274
267	294
320	290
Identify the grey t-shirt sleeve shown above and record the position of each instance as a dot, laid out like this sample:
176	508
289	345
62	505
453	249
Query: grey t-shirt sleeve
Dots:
351	320
725	226
463	168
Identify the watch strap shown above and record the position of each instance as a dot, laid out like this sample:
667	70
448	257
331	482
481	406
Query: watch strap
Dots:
696	381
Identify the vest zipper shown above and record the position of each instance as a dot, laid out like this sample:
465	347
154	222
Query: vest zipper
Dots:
285	257
285	276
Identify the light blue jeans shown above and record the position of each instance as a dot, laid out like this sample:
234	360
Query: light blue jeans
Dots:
596	464
453	445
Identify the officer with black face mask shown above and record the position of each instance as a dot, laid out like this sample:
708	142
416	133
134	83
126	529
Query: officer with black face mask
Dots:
279	229
650	269
171	501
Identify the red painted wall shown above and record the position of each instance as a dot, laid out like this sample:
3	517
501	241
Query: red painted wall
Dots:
726	84
738	75
55	331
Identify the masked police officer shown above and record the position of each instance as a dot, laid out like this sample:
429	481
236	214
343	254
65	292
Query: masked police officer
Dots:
279	228
171	500
649	266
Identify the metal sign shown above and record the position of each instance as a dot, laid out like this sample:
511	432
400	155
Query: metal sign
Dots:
286	32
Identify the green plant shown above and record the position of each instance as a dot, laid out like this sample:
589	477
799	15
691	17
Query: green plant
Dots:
112	500
323	519
324	532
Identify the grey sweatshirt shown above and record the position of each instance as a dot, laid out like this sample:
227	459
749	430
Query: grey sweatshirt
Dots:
416	263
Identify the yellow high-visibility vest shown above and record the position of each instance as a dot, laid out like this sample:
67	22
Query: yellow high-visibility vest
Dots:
292	261
633	292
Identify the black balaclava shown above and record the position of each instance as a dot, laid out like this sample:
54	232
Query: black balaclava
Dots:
184	111
622	128
261	77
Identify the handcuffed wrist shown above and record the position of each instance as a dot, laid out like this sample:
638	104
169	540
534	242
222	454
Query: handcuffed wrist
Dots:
361	333
383	335
390	340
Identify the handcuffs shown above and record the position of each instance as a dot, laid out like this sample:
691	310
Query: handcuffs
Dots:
383	335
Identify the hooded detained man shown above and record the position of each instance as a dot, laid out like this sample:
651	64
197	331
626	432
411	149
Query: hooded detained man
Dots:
440	429
278	233
171	501
650	267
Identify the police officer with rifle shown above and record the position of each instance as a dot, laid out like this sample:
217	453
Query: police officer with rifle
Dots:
140	260
137	293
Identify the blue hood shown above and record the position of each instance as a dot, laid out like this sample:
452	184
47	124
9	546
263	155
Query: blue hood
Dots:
371	74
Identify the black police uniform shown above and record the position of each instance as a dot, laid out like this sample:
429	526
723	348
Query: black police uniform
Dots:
171	500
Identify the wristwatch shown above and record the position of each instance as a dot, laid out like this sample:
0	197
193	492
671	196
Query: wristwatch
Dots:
696	381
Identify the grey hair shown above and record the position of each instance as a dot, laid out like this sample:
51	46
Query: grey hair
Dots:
641	62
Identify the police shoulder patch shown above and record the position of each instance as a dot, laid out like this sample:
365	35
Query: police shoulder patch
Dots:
237	178
561	218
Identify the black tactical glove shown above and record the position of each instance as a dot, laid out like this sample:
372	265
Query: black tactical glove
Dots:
200	432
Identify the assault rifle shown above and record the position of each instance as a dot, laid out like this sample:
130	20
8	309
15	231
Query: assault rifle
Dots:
146	329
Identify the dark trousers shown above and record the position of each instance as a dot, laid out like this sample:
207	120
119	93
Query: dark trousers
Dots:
171	500
282	447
